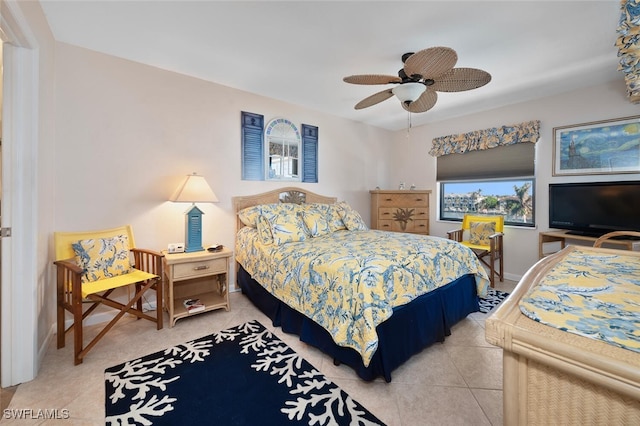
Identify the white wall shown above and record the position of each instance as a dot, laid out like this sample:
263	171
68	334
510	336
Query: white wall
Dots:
127	134
413	164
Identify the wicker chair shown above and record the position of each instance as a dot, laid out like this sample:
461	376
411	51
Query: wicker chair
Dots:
605	237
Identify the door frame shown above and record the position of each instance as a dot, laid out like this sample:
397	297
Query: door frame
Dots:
20	302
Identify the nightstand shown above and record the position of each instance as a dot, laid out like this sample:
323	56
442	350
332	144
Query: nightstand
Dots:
199	275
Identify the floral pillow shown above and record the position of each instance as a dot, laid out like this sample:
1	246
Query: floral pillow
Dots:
286	229
351	218
250	215
264	230
479	232
315	221
331	213
102	258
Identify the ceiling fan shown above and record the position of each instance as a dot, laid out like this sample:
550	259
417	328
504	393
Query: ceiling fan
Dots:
424	73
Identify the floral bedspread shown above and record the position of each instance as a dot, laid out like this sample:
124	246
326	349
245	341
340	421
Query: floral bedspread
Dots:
595	295
349	281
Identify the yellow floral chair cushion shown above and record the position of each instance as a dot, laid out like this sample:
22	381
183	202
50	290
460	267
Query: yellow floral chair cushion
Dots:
479	232
103	257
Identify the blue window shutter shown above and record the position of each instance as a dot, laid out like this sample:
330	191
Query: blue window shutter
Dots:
309	153
252	146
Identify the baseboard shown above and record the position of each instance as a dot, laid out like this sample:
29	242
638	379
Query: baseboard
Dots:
512	277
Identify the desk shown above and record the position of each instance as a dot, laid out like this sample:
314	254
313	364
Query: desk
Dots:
563	236
198	275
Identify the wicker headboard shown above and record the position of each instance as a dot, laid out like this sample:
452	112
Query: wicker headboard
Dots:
288	194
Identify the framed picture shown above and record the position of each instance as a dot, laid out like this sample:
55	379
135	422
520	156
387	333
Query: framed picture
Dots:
600	147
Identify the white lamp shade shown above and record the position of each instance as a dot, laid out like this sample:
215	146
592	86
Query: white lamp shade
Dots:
409	92
194	189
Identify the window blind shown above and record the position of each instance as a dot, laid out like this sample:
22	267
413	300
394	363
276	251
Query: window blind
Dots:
500	162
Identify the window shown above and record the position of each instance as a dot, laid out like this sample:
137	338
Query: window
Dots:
513	198
493	181
282	140
488	171
281	150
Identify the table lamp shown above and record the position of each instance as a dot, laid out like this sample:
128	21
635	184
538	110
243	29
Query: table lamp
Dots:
194	189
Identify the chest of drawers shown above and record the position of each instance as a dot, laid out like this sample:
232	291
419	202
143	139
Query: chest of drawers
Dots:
400	210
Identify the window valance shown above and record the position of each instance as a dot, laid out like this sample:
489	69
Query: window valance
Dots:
480	140
628	44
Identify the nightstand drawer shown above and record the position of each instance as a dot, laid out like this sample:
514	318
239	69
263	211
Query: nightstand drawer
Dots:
198	269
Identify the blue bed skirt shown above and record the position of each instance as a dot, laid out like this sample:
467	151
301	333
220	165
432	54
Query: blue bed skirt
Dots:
411	328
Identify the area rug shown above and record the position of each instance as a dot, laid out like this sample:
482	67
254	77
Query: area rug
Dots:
240	376
493	299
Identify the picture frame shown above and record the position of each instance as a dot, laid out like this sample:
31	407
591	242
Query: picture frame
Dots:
599	147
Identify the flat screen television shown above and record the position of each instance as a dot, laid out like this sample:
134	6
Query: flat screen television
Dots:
595	208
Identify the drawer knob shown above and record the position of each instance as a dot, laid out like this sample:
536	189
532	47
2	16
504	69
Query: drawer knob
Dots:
385	226
418	199
386	214
388	199
200	268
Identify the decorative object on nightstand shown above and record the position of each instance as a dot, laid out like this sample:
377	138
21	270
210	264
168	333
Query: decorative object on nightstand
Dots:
201	276
400	210
194	189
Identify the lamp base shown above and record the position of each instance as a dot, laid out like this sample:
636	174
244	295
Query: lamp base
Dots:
193	230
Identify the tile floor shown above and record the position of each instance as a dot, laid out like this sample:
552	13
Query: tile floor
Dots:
458	382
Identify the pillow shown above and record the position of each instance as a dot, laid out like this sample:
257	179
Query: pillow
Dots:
331	212
351	218
480	232
335	219
264	230
103	257
286	229
250	215
315	222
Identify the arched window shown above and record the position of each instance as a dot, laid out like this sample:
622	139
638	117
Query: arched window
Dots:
282	144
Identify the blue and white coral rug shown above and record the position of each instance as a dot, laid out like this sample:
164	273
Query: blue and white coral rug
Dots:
493	299
240	376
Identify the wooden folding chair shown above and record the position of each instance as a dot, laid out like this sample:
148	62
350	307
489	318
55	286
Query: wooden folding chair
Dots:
145	274
488	247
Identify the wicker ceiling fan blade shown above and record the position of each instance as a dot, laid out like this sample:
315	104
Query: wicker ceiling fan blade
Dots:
431	63
425	102
372	79
374	99
461	79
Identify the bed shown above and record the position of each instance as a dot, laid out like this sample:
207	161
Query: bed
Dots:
571	340
369	299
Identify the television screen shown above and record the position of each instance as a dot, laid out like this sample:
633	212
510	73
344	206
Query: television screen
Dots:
595	208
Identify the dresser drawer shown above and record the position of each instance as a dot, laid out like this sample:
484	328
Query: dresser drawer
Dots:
394	213
413	226
408	200
418	226
199	269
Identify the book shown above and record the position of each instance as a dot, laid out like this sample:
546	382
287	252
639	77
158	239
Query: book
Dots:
193	305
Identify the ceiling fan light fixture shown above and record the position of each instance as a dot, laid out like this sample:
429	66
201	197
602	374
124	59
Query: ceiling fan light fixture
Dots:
409	92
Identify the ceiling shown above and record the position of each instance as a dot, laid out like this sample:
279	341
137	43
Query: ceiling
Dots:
299	51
